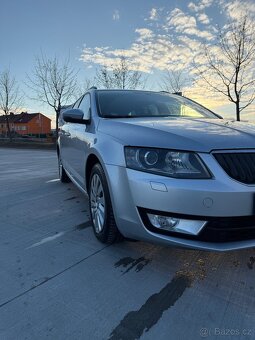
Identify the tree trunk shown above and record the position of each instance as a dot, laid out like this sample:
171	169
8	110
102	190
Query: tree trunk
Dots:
238	111
8	127
57	117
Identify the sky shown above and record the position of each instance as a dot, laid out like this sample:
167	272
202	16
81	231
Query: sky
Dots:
154	35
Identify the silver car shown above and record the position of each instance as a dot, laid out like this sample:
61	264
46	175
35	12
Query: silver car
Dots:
160	167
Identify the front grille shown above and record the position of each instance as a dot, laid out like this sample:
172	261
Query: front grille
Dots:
229	229
238	165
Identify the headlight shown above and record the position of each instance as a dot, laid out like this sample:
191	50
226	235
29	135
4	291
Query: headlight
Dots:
178	164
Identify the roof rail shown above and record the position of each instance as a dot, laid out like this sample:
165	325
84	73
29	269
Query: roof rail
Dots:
178	93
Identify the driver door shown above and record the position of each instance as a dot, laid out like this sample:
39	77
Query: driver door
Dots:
79	140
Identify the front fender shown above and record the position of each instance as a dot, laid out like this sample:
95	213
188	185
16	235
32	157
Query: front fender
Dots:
108	151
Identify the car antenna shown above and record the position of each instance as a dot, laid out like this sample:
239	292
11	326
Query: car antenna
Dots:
93	88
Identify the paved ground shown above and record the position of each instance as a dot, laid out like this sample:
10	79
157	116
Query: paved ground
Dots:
58	282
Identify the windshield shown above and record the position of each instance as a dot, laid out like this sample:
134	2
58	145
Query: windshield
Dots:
125	104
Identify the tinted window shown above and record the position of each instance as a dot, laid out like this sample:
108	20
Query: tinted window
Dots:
85	106
148	104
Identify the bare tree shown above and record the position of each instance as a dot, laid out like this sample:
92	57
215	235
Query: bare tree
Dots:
104	78
53	83
10	97
84	86
175	81
120	76
230	64
124	77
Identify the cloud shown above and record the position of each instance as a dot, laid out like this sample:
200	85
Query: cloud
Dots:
149	51
236	9
116	15
153	14
181	21
171	43
144	33
203	18
200	6
186	24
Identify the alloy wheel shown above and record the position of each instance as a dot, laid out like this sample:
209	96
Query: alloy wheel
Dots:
97	203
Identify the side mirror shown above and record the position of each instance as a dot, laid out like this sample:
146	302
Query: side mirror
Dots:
74	116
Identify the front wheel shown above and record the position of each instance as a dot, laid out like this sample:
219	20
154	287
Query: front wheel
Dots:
101	212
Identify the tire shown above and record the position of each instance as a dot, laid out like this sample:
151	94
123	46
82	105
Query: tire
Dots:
62	173
101	212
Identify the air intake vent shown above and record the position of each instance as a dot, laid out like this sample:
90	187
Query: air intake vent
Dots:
238	165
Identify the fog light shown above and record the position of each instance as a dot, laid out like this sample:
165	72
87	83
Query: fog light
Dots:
168	223
163	222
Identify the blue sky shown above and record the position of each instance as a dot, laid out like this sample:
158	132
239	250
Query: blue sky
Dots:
93	33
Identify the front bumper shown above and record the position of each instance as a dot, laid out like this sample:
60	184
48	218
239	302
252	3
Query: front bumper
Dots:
214	199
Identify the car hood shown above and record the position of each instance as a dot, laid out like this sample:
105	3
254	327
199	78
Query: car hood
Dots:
202	135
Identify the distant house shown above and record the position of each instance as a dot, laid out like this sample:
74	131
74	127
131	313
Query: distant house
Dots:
33	124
